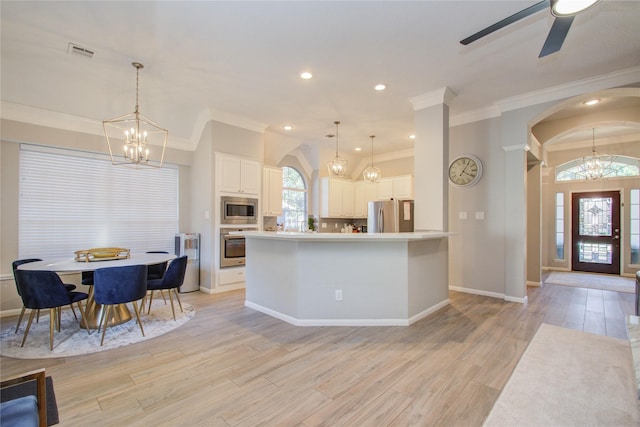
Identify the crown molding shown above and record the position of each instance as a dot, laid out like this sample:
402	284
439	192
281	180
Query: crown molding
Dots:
394	155
568	90
56	120
210	114
444	95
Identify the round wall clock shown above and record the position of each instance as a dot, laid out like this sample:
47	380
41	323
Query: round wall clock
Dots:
465	170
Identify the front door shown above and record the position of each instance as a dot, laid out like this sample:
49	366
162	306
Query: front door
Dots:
595	229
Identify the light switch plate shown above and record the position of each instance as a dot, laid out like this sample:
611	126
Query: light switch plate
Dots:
462	215
479	215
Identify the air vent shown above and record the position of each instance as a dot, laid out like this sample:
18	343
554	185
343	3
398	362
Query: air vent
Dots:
74	49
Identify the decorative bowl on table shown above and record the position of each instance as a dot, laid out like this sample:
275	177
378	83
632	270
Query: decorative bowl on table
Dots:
102	254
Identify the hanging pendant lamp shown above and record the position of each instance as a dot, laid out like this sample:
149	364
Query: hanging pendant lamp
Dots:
372	173
596	166
136	134
337	166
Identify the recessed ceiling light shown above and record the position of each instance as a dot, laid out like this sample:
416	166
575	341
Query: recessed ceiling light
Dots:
306	75
412	136
591	102
380	86
287	127
358	149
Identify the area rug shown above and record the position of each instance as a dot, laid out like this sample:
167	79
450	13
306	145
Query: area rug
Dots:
73	341
570	378
592	281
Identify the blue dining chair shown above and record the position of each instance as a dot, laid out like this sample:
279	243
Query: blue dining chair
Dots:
172	280
44	289
17	263
119	285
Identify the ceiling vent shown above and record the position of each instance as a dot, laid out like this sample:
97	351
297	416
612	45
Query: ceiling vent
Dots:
76	50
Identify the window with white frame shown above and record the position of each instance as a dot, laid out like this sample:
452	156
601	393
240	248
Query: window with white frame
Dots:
621	166
560	226
634	225
294	200
70	200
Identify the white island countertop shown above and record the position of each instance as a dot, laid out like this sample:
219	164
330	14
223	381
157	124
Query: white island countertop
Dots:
350	237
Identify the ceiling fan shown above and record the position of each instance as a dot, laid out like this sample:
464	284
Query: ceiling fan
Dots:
563	10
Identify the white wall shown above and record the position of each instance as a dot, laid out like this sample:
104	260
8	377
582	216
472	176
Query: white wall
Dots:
476	252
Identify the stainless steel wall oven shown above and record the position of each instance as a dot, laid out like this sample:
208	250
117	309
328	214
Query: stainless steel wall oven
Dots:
232	248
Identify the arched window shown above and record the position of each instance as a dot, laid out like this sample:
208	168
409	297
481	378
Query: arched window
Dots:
621	166
294	200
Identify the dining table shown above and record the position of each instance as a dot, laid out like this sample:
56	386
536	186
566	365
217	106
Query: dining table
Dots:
93	311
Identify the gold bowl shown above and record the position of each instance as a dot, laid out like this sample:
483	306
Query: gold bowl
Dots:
102	254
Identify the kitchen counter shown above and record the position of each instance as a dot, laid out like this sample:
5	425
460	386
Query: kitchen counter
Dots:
315	279
347	237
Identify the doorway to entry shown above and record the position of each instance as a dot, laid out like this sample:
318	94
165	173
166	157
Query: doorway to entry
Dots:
595	229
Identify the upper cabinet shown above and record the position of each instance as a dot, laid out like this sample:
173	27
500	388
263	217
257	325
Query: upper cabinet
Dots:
237	175
336	198
384	189
365	192
403	187
272	191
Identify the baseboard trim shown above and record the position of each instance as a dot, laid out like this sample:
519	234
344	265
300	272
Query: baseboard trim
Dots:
489	294
477	292
534	284
345	322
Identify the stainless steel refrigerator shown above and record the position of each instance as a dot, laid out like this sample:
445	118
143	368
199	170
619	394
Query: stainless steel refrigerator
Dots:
390	216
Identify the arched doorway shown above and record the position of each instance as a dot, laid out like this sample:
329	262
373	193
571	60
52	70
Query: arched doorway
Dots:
564	135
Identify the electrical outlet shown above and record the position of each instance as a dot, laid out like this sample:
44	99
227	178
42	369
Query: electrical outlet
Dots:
324	225
338	294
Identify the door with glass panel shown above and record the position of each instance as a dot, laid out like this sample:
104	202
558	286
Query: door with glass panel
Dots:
595	228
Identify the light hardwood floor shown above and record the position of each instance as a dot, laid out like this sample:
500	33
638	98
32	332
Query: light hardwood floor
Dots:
232	366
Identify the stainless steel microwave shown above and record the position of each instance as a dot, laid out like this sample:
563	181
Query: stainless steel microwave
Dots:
238	210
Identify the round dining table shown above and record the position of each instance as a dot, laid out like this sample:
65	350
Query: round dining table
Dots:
93	311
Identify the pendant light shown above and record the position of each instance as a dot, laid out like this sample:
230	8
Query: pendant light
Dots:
337	166
136	134
596	166
372	173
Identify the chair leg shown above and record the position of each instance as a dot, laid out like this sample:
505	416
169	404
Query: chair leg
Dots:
150	301
26	331
53	313
135	308
74	312
38	317
172	309
178	298
20	318
104	329
163	298
59	317
83	318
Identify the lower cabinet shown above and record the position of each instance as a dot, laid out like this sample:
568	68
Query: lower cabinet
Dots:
230	279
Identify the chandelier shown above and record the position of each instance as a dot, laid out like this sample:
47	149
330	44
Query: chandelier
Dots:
135	134
596	166
337	166
372	173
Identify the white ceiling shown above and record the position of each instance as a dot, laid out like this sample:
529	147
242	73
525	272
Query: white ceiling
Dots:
240	61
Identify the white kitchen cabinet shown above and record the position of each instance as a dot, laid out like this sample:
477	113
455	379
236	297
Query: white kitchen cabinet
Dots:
272	191
237	175
336	198
384	189
403	187
365	192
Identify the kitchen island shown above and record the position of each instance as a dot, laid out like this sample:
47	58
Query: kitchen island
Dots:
357	279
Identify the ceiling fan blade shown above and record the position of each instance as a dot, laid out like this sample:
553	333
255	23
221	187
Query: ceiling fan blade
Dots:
506	21
556	36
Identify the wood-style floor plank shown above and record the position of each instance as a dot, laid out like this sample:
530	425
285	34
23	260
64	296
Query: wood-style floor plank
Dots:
233	366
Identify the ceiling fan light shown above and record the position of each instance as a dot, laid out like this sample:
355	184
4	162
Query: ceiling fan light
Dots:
562	8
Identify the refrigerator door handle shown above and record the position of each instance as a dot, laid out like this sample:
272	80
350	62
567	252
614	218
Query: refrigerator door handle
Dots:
380	220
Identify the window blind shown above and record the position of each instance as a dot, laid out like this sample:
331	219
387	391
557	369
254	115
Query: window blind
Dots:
71	200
